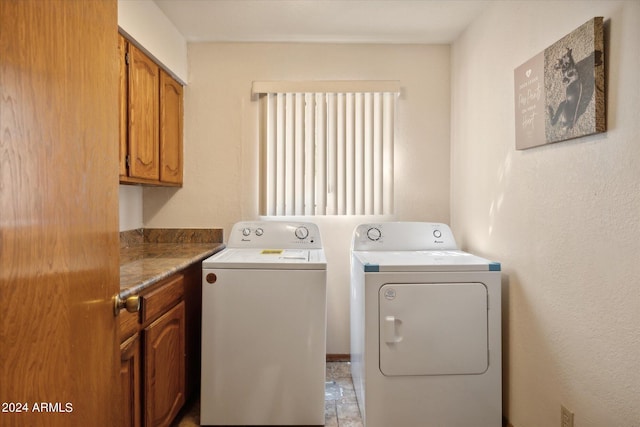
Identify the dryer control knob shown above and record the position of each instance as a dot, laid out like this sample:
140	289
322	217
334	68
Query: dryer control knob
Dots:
437	234
246	231
374	234
302	232
259	231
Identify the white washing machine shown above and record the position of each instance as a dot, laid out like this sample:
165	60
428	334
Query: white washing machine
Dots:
425	329
264	327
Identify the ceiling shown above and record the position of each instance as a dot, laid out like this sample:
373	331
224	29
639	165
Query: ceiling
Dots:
322	21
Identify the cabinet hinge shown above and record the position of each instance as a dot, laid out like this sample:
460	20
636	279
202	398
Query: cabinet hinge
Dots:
126	58
128	161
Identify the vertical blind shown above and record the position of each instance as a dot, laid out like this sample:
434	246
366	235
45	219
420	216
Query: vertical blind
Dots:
327	152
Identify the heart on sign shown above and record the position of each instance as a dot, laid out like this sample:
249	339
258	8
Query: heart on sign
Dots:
528	73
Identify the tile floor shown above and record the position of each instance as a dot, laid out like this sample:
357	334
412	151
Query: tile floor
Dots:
341	407
340	404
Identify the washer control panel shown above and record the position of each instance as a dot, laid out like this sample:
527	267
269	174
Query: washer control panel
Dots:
275	235
398	236
374	234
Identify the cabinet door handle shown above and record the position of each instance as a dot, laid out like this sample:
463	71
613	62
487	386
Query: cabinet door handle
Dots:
131	304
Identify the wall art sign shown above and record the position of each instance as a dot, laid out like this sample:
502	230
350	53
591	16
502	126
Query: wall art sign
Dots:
559	93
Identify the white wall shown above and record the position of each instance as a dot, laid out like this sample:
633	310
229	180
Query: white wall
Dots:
143	21
130	207
564	219
221	142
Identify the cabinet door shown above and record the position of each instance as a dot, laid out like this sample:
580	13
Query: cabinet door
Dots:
164	367
122	51
144	80
170	129
130	376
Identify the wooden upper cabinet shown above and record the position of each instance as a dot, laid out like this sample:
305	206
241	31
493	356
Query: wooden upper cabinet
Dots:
170	129
122	51
151	108
144	80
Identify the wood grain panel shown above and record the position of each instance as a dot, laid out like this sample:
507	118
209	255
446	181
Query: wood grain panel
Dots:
130	370
166	293
123	95
59	211
171	109
144	93
164	368
129	324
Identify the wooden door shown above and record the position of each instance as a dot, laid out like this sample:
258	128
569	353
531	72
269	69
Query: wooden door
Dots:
170	129
59	248
144	93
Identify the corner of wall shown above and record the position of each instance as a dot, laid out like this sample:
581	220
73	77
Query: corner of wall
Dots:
145	22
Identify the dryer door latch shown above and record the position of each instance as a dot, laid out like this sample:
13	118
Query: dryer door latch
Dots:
392	329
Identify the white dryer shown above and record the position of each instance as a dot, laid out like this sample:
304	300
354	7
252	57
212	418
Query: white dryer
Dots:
425	329
264	327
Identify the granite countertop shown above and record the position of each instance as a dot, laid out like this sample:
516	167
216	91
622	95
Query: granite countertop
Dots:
148	256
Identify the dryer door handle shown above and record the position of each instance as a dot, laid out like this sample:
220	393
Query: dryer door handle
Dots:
391	330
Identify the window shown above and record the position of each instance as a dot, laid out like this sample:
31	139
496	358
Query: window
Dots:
326	147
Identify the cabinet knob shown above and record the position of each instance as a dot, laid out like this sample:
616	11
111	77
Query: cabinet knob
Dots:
131	304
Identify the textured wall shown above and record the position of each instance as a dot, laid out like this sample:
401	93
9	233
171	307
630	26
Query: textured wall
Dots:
144	22
564	219
221	142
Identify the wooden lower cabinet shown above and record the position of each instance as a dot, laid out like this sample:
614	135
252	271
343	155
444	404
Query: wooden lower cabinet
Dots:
164	367
130	376
159	350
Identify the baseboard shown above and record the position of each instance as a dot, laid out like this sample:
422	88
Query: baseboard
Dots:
338	357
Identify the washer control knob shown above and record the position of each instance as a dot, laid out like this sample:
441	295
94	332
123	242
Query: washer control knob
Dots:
374	233
302	232
437	234
259	231
246	231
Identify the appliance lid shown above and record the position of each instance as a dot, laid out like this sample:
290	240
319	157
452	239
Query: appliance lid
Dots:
454	260
267	258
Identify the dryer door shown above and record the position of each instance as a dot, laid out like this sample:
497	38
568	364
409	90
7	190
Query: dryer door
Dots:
433	329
